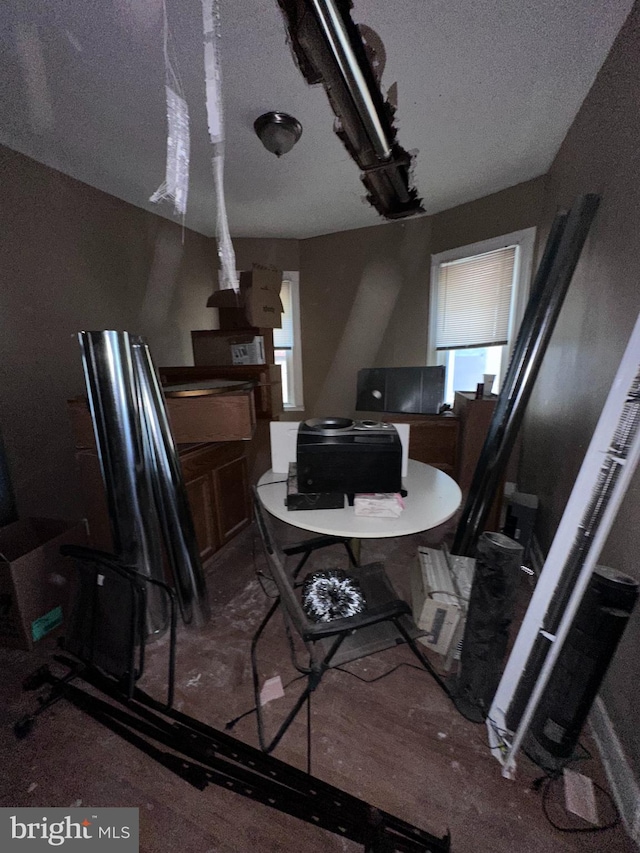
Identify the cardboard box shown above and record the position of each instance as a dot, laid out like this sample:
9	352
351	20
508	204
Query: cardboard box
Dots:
248	352
36	581
260	290
212	345
259	299
220	348
233	319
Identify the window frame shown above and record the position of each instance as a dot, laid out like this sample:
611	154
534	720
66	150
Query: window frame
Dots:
524	240
294	357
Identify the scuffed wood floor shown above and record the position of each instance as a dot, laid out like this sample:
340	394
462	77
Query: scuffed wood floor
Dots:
398	743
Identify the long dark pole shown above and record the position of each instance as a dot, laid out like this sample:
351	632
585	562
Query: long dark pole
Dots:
562	251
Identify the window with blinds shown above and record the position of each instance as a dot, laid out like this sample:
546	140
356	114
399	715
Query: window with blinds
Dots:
477	299
473	300
286	342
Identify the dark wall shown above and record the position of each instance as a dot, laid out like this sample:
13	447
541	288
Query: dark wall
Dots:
75	258
509	210
600	154
365	293
282	254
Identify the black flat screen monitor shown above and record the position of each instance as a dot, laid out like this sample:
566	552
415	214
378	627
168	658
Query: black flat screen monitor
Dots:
410	390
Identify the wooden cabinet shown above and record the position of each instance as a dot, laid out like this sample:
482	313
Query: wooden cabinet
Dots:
433	439
201	501
217	486
267	381
222	413
217	483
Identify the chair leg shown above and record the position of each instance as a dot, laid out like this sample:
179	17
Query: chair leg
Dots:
309	734
350	546
421	657
254	665
313	680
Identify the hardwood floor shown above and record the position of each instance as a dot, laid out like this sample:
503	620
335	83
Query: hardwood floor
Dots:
398	743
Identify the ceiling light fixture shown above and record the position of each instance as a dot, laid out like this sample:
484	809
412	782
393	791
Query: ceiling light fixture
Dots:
278	132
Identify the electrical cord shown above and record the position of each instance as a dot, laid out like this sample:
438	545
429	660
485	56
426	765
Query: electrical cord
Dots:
545	783
232	723
379	677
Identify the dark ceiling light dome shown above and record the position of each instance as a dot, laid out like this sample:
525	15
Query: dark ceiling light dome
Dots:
278	132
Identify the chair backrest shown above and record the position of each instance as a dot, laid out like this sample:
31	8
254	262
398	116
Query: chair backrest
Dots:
281	578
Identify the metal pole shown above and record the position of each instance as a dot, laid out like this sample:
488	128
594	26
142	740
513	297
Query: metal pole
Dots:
337	38
559	261
114	404
161	456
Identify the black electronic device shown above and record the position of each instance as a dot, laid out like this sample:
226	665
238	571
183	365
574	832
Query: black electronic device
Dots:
410	390
297	500
581	666
352	457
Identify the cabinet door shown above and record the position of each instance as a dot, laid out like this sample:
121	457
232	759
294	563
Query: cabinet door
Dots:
231	491
201	500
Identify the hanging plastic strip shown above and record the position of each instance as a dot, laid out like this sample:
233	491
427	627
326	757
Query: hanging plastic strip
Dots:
175	186
213	84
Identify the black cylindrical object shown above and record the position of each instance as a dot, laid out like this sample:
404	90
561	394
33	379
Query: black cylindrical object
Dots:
554	275
489	615
581	666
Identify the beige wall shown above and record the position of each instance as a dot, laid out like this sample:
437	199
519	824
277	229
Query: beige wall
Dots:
600	154
501	213
359	290
365	293
75	258
282	254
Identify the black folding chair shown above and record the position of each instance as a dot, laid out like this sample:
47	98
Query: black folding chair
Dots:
385	622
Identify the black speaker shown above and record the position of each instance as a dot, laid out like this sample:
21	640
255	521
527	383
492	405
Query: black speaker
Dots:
581	666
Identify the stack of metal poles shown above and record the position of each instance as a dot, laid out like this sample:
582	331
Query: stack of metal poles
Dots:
146	496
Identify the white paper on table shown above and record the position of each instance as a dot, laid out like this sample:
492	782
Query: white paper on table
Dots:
379	505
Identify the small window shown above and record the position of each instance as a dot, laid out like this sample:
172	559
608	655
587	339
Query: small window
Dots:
478	295
286	342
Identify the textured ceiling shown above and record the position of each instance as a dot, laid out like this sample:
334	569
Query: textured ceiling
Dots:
486	93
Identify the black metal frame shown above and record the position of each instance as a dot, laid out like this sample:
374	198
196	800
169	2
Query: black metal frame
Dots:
307	548
198	753
383	606
102	561
561	254
202	756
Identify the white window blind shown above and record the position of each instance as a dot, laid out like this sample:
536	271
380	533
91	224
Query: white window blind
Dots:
283	338
474	300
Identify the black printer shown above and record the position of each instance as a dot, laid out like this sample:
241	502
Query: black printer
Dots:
342	455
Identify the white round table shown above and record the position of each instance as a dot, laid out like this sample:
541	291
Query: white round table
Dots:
432	498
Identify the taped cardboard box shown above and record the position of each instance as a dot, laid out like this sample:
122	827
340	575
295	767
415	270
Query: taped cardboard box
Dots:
36	581
219	347
259	299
